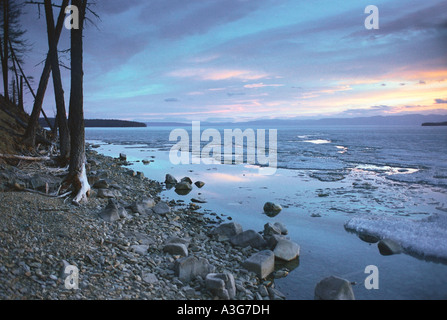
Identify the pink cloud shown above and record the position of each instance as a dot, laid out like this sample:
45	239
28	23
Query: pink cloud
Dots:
217	74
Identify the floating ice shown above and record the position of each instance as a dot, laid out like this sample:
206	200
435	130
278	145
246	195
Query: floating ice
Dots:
318	141
426	237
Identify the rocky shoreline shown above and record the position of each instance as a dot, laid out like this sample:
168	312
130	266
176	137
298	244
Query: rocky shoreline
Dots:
126	243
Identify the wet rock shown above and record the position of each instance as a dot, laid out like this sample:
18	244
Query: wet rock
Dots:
271	208
123	157
198	200
221	285
170	179
286	250
389	247
183	185
334	288
270	229
199	184
248	238
262	263
282	228
186	179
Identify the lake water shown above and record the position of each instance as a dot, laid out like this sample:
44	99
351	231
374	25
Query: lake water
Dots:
332	182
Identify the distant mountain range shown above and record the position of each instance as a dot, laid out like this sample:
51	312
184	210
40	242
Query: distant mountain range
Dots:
399	120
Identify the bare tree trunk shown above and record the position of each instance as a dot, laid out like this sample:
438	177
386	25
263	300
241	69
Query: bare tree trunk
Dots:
64	136
5	47
33	123
77	175
21	107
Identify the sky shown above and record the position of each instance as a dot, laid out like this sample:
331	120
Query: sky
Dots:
237	60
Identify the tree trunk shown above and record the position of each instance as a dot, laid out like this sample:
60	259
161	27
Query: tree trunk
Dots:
64	136
33	123
5	47
77	175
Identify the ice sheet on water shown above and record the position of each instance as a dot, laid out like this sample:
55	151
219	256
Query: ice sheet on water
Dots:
422	237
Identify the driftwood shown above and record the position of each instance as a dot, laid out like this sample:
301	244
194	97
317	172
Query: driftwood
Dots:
26	158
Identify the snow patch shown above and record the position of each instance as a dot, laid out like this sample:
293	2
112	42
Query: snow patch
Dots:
423	237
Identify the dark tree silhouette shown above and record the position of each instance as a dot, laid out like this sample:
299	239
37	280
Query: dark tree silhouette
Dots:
77	176
64	137
11	37
33	123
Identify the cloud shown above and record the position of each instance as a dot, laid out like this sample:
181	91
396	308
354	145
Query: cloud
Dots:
261	85
178	18
217	74
439	101
171	100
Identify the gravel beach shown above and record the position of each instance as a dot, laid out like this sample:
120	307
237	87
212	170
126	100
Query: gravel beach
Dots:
124	242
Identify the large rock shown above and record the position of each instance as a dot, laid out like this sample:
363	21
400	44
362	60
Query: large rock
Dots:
170	179
221	285
334	288
262	263
189	268
228	230
111	213
271	229
248	238
388	247
161	208
286	250
271	208
143	206
176	249
108	194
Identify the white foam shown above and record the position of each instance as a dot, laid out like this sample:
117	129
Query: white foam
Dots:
424	237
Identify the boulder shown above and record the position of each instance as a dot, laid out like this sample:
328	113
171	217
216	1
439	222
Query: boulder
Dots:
388	247
170	179
281	227
334	288
122	157
262	263
270	229
107	193
101	184
186	179
272	209
143	206
221	285
176	249
199	184
183	185
111	212
248	238
286	250
161	208
189	268
229	229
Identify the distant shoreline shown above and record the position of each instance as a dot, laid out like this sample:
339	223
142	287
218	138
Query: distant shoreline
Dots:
434	124
102	123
